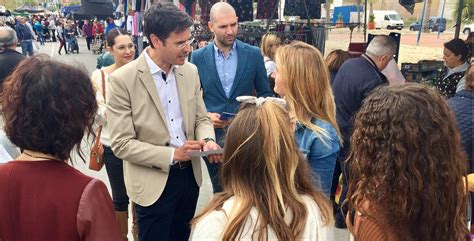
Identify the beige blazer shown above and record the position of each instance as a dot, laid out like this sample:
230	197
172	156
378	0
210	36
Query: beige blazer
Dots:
138	129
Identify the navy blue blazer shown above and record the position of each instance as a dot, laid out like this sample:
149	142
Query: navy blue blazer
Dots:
250	77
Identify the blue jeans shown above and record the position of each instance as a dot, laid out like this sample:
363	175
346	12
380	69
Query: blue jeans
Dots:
41	38
69	42
27	47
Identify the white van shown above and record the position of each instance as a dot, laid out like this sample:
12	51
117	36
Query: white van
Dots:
388	19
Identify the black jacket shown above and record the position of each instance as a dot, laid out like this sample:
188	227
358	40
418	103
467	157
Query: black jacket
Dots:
353	82
9	59
462	104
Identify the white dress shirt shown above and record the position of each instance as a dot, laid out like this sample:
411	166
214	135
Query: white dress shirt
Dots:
169	98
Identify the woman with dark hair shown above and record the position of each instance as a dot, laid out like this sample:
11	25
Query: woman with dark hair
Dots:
110	24
268	191
451	78
61	36
406	168
48	107
121	47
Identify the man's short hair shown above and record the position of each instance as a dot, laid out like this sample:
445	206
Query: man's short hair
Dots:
381	45
8	38
163	19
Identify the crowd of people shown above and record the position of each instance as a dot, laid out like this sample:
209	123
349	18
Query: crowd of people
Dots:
277	128
51	28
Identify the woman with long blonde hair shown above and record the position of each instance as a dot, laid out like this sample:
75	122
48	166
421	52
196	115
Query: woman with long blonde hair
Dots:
270	44
302	78
268	194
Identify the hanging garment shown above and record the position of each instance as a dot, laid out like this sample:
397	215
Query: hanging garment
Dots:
243	8
205	6
265	8
299	7
188	5
138	5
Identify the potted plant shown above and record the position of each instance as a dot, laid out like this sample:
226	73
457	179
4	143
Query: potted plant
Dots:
340	21
371	24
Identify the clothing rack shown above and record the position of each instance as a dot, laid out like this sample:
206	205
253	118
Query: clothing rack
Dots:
313	34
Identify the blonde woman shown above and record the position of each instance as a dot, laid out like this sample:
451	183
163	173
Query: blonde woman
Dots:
270	44
302	78
268	194
121	47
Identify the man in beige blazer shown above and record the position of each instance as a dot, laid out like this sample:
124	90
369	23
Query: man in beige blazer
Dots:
156	117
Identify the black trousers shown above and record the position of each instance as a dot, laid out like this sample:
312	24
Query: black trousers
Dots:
168	218
89	41
114	167
213	169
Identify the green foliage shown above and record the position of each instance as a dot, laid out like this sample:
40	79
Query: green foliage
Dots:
339	17
467	15
72	3
371	18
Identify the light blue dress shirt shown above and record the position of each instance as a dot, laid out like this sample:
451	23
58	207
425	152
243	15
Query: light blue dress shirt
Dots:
226	67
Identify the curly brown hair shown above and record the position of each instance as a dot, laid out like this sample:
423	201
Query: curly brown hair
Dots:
48	106
406	161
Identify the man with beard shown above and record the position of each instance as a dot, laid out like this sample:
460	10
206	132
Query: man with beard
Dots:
227	68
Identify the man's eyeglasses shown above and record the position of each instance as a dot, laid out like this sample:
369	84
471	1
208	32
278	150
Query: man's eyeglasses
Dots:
184	45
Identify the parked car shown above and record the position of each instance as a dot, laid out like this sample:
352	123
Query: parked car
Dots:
388	19
436	24
468	28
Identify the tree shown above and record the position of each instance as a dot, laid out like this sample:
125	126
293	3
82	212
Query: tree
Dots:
467	12
327	6
8	4
371	6
426	19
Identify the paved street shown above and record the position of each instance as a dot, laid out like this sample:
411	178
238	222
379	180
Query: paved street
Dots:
87	60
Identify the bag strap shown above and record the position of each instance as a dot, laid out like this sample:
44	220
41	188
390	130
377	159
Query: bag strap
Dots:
103	83
97	142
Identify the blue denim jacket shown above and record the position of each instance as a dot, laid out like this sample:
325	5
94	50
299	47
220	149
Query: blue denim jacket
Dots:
321	156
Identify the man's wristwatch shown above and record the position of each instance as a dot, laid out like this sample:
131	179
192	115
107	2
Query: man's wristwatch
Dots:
208	139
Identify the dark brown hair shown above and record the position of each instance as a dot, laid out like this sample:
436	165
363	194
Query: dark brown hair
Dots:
265	170
114	33
336	58
458	47
48	106
162	19
406	161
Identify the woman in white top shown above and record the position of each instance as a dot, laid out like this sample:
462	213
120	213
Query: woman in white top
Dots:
270	44
120	45
268	192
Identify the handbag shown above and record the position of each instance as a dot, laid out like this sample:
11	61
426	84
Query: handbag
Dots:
96	158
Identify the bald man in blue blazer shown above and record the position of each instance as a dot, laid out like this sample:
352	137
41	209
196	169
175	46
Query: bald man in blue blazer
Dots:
227	68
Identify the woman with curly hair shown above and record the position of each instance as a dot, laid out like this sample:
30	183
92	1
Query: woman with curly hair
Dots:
406	168
48	107
268	194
